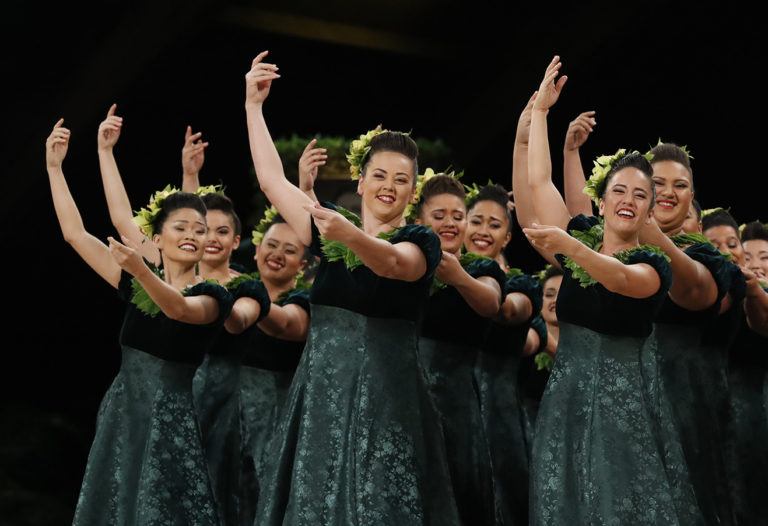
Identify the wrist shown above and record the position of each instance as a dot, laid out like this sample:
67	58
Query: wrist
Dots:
253	106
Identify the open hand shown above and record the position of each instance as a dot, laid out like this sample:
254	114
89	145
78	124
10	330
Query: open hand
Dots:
332	225
259	79
550	239
127	256
312	159
550	90
193	152
579	130
56	145
109	129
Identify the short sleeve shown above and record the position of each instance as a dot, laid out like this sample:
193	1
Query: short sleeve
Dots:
254	288
217	292
582	222
540	327
316	245
716	264
426	240
659	264
487	267
299	298
529	286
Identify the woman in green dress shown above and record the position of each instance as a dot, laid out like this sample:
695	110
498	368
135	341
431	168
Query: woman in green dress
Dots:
465	297
498	365
360	440
598	457
146	464
743	330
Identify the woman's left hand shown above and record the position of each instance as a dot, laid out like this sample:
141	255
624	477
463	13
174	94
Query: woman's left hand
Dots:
449	270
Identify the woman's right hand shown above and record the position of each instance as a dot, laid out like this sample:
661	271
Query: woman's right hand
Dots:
259	79
109	129
56	145
549	91
579	130
310	161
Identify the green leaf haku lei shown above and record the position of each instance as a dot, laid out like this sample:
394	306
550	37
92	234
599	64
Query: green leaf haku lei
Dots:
465	260
358	152
258	233
145	218
338	251
593	238
421	180
595	185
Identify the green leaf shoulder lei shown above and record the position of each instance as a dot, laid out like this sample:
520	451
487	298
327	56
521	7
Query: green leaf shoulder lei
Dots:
544	361
465	260
338	251
142	300
686	239
593	238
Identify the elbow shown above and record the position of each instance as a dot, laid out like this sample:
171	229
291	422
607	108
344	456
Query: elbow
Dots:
489	310
176	313
234	325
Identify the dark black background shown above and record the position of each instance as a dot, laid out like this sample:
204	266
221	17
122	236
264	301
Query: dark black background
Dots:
461	71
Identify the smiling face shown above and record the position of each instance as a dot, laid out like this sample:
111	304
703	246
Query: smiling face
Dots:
726	240
488	229
221	239
280	256
183	236
387	185
548	308
446	215
674	194
626	203
756	256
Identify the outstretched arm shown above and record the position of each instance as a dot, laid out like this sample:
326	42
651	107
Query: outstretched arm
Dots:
404	261
310	161
574	180
693	287
197	310
117	198
94	252
289	322
548	204
192	159
639	280
289	200
482	294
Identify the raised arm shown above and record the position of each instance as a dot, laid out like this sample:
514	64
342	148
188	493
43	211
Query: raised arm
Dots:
311	159
693	287
756	304
483	294
196	310
117	198
94	252
520	189
574	180
404	261
289	200
192	159
639	280
289	322
548	204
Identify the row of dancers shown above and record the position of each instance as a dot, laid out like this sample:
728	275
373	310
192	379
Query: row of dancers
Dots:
402	385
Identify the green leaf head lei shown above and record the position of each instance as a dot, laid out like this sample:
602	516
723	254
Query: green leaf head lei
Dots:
359	150
258	233
412	209
603	165
145	218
